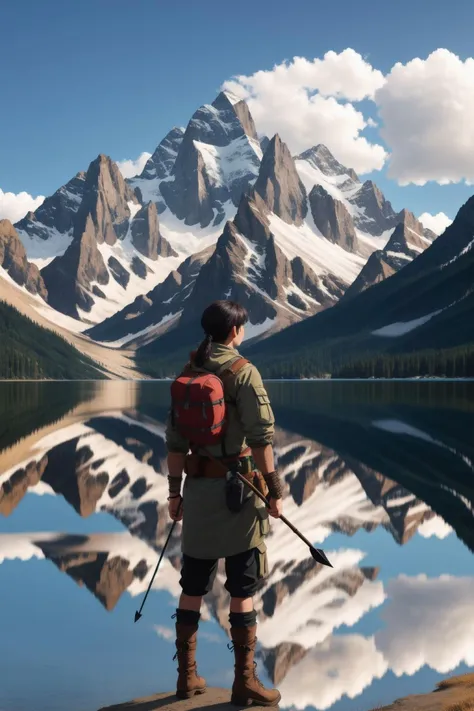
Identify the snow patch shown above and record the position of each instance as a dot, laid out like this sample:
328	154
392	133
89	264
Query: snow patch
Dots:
341	187
323	256
42	251
398	255
132	336
225	164
464	251
116	295
188	240
134	208
400	328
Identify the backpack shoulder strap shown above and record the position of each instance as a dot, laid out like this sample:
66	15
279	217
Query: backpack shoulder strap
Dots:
233	367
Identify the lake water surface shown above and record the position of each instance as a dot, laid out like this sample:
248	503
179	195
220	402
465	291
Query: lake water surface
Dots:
378	474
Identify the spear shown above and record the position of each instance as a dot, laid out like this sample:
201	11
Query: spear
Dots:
318	554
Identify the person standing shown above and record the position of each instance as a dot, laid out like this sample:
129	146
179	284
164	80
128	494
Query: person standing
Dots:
219	520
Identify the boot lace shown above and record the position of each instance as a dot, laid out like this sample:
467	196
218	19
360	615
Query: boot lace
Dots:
181	647
231	647
255	675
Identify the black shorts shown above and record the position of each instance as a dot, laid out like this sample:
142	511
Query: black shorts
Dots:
244	572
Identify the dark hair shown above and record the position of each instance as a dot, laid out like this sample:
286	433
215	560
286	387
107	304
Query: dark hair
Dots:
217	321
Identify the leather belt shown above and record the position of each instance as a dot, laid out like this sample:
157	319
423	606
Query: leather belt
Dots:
198	465
202	467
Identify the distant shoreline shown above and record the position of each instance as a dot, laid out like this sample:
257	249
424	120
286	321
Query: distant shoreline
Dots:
267	380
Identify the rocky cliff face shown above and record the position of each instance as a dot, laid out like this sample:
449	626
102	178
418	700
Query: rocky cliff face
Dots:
279	184
376	214
13	260
69	278
105	208
333	219
146	236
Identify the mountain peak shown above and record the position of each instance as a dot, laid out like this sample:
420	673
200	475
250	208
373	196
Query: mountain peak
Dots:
160	164
409	219
321	157
224	99
230	105
279	185
378	214
57	212
408	235
217	161
105	199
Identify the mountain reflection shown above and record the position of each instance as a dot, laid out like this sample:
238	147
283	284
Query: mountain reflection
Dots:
354	461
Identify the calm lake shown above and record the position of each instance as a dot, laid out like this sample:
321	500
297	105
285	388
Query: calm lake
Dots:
378	474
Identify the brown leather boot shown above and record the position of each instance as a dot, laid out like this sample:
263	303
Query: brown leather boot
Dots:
247	688
189	683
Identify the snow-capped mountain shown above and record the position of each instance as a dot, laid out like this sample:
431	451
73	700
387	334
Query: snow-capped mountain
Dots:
298	232
217	158
285	255
426	305
116	248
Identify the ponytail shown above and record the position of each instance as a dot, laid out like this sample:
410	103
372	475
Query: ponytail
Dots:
217	322
203	353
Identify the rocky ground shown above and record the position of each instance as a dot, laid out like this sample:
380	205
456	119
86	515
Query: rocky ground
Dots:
215	699
454	694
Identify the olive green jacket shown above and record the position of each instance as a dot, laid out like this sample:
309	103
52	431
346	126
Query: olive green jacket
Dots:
210	530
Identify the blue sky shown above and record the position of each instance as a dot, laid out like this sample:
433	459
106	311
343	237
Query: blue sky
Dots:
103	76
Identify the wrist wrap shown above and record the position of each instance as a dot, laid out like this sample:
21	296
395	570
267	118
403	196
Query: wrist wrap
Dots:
274	484
174	485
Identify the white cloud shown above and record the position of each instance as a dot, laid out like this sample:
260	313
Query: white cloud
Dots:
131	168
426	106
434	527
341	665
437	223
14	206
165	633
299	100
429	621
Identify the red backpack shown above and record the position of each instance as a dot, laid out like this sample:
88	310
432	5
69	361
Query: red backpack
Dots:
197	403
